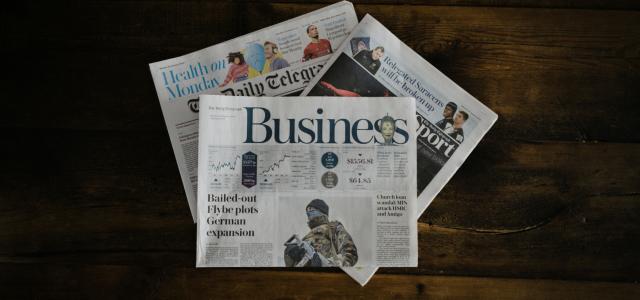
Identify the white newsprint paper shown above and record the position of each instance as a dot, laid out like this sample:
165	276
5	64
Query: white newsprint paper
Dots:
306	182
275	61
372	62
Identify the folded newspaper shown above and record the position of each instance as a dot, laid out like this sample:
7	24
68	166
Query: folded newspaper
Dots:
275	61
372	62
306	182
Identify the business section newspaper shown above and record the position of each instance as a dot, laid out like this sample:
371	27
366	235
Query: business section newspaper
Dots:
306	182
275	61
372	62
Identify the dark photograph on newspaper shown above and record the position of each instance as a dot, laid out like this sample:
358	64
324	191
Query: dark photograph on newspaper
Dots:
348	79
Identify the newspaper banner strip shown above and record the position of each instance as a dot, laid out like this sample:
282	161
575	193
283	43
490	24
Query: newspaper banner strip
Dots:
275	61
306	182
372	62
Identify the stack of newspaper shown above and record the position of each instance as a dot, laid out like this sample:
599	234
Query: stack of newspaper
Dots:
327	176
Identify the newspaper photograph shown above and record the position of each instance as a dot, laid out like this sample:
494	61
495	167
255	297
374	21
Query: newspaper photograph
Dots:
372	62
275	61
306	182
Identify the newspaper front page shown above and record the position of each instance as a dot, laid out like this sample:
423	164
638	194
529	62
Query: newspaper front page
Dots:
306	182
372	62
275	61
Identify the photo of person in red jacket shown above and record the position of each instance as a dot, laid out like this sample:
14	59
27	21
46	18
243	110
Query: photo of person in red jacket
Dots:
317	47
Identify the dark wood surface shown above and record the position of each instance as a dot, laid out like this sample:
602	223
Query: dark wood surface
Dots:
547	206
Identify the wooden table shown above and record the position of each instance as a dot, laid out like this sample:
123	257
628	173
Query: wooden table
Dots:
547	206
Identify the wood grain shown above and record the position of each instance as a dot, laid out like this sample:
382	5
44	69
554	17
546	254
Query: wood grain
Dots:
107	282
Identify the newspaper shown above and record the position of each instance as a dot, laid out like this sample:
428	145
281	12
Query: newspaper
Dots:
275	61
306	182
373	62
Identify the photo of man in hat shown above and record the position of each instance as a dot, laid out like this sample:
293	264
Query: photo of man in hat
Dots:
331	244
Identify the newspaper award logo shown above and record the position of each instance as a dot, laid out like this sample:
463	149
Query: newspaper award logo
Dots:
329	179
329	160
249	169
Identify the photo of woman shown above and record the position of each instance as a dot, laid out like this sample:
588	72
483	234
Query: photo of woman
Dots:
238	69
